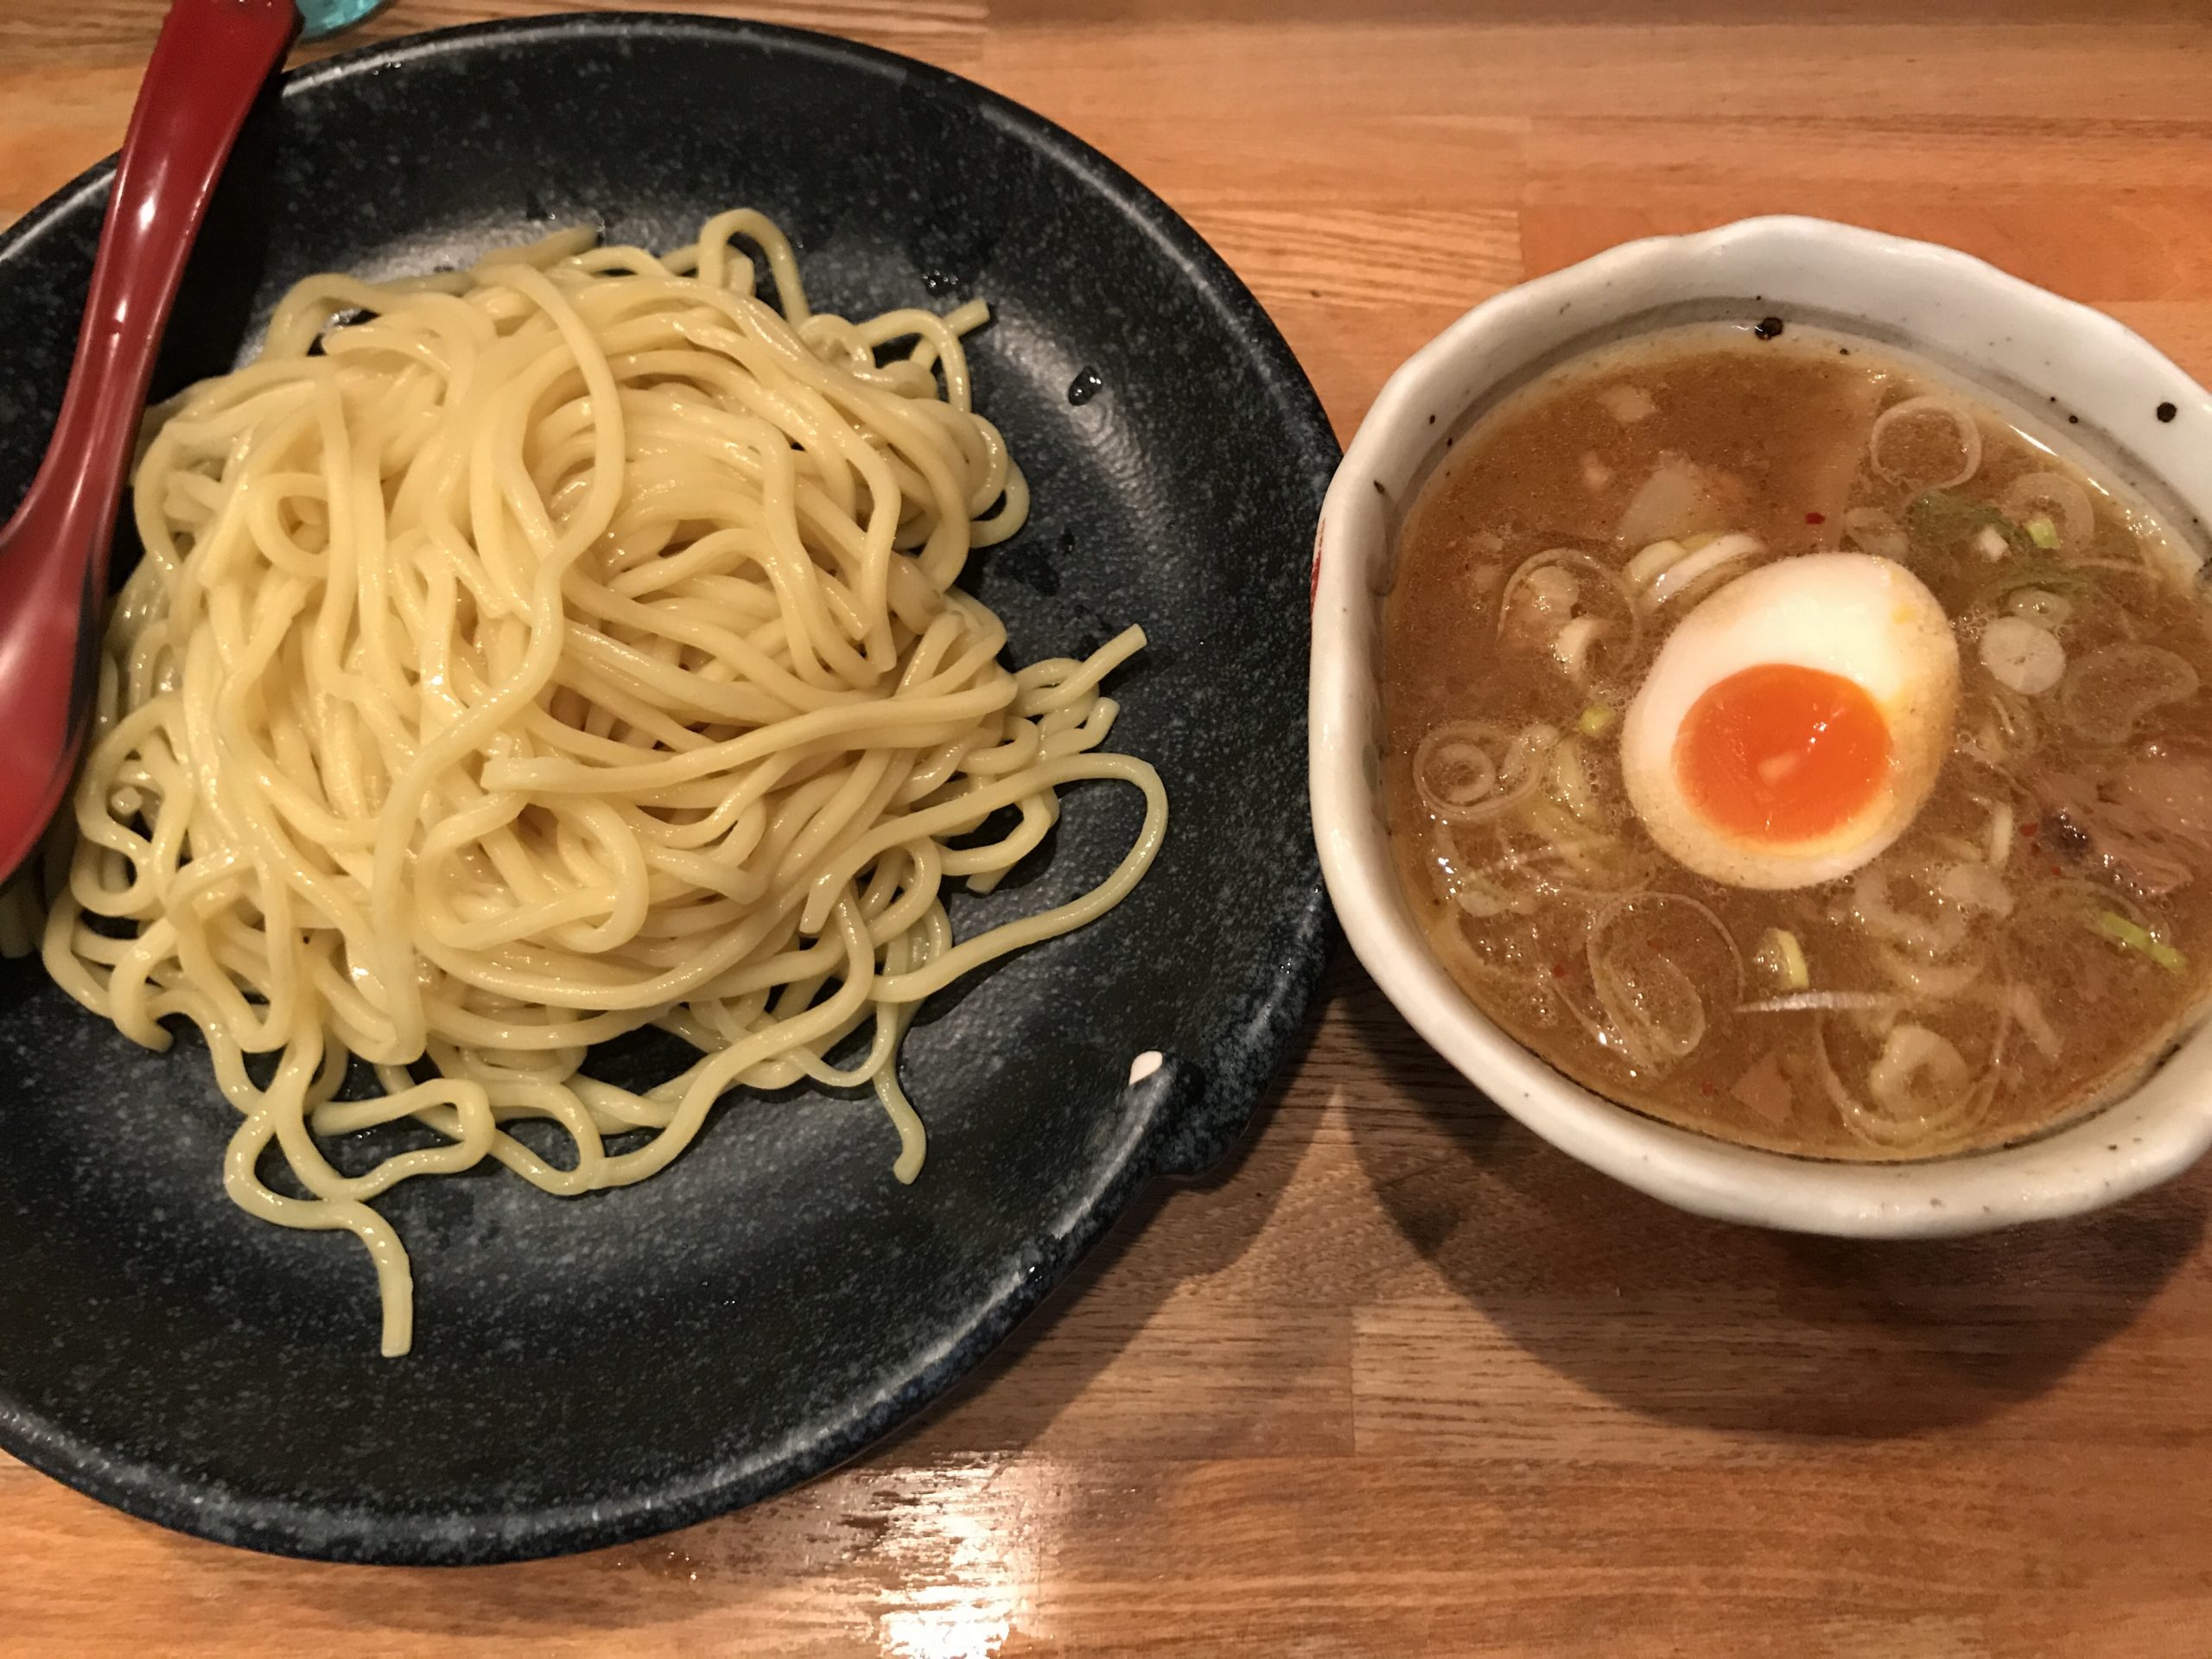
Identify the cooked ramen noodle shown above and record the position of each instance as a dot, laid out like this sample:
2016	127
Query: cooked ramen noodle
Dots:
525	655
1797	747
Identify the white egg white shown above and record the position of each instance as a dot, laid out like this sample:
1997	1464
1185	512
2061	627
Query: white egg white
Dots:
1866	618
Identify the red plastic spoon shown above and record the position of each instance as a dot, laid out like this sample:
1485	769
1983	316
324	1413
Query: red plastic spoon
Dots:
208	67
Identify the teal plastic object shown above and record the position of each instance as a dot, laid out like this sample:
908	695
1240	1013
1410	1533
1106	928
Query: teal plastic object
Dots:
322	18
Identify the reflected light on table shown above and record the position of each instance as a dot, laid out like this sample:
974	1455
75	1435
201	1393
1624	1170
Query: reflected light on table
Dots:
961	1550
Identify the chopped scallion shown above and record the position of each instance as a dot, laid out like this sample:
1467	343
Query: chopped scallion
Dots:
1782	956
2131	937
1597	720
2043	532
1945	519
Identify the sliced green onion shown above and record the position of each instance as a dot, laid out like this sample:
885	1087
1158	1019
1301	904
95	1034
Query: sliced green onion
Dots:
1597	720
1780	954
1570	782
2043	532
1945	519
2126	934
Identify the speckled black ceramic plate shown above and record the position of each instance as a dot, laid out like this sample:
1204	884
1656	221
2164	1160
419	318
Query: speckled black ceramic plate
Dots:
586	1371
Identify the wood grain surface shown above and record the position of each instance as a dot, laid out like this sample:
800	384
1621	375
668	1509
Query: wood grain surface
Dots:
1401	1379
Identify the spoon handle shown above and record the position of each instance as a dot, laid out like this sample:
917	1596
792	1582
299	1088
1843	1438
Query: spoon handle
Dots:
208	66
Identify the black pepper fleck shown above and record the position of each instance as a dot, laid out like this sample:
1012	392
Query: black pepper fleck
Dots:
2063	833
1767	328
2167	412
1378	483
2073	420
1431	420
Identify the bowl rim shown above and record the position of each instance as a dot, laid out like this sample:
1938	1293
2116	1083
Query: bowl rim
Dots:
2150	1133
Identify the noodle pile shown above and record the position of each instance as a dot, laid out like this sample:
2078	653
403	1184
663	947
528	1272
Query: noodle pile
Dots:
558	648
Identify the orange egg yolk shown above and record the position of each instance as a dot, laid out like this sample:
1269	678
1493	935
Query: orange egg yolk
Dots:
1781	753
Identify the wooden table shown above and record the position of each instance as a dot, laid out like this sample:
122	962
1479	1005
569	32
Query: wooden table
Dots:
1401	1379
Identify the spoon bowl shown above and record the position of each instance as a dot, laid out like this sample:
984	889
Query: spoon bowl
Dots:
208	66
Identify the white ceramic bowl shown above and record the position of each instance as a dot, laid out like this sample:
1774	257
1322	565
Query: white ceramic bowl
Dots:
2026	346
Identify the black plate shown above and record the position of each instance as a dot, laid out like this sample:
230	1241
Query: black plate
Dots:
586	1371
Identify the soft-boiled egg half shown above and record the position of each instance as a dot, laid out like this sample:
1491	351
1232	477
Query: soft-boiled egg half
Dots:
1794	723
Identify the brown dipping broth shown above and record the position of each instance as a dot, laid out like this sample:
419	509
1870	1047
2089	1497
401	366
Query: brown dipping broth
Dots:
2055	970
